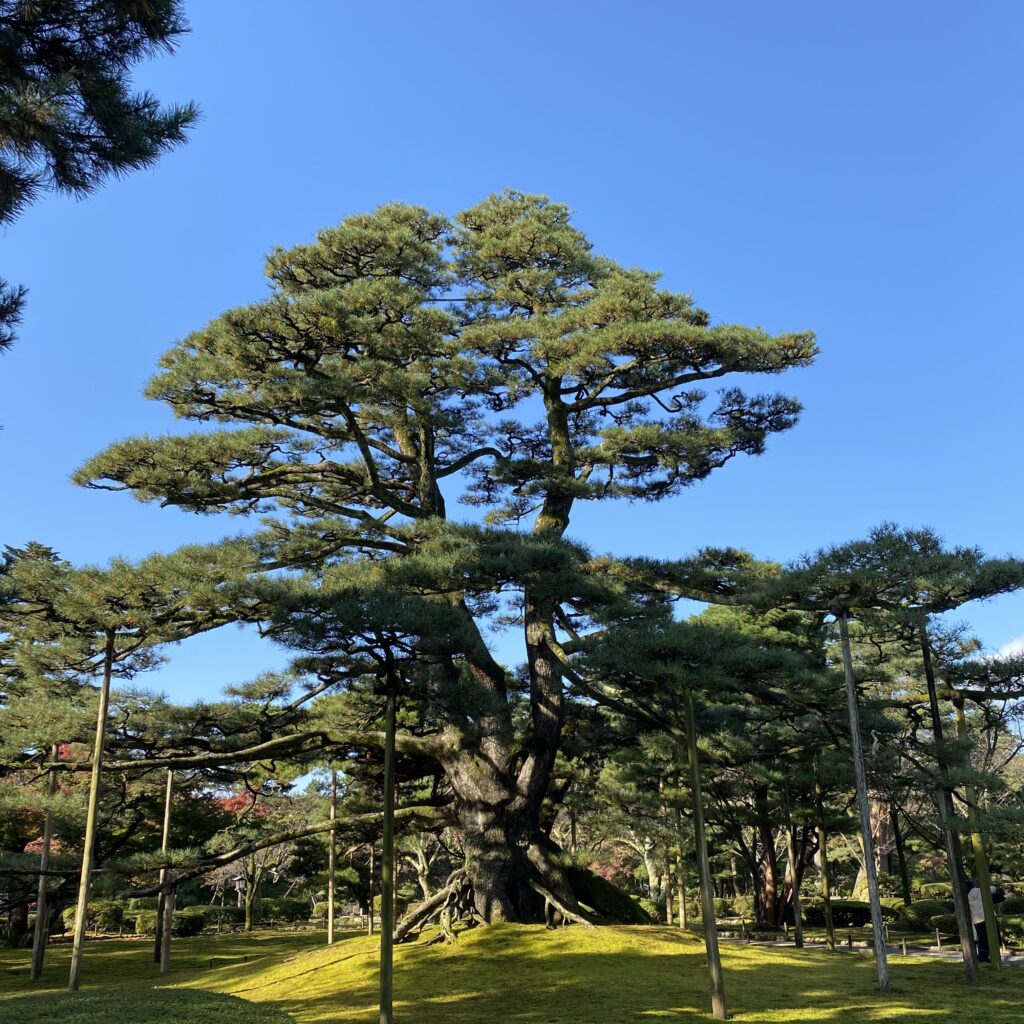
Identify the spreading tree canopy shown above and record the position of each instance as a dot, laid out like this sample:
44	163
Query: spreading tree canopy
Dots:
404	360
68	116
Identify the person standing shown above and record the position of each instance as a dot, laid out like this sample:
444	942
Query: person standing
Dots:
978	918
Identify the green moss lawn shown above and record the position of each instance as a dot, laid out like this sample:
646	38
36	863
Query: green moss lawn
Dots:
571	976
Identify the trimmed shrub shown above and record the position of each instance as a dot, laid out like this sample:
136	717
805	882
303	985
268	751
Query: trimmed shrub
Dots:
104	916
185	923
845	913
218	916
1012	927
937	891
143	903
188	922
946	923
145	922
1011	907
920	912
743	906
286	910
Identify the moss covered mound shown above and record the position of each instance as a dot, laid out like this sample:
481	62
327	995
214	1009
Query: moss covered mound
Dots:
573	975
613	975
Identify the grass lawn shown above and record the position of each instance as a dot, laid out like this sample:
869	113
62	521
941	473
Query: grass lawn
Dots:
571	976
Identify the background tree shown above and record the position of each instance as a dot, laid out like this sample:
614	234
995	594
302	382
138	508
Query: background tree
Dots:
68	117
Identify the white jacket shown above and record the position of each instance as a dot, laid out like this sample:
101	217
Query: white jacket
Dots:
977	907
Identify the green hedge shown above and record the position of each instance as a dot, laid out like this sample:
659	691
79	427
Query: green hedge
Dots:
187	922
945	923
1012	927
287	910
845	913
919	913
217	915
743	906
104	916
1011	907
143	903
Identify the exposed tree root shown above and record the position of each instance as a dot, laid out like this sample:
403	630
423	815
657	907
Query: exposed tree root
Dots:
452	903
554	904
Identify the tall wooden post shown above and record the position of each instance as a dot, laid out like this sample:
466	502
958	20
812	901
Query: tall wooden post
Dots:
164	937
877	925
947	820
387	863
707	901
88	848
331	854
791	859
680	869
168	917
369	924
981	873
826	883
41	934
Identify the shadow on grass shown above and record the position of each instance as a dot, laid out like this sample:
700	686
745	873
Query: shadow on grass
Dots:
129	962
114	1006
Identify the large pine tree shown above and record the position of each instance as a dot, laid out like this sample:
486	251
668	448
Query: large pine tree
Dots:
404	359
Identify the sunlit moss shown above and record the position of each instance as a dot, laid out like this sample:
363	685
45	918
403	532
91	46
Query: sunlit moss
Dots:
571	976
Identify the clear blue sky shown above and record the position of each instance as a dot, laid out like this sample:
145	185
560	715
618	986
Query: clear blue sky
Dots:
853	169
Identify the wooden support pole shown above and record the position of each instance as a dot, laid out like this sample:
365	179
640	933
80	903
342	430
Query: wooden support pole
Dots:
718	1007
826	884
791	859
41	933
982	876
680	867
387	863
91	814
163	936
331	856
369	917
881	959
168	916
947	821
